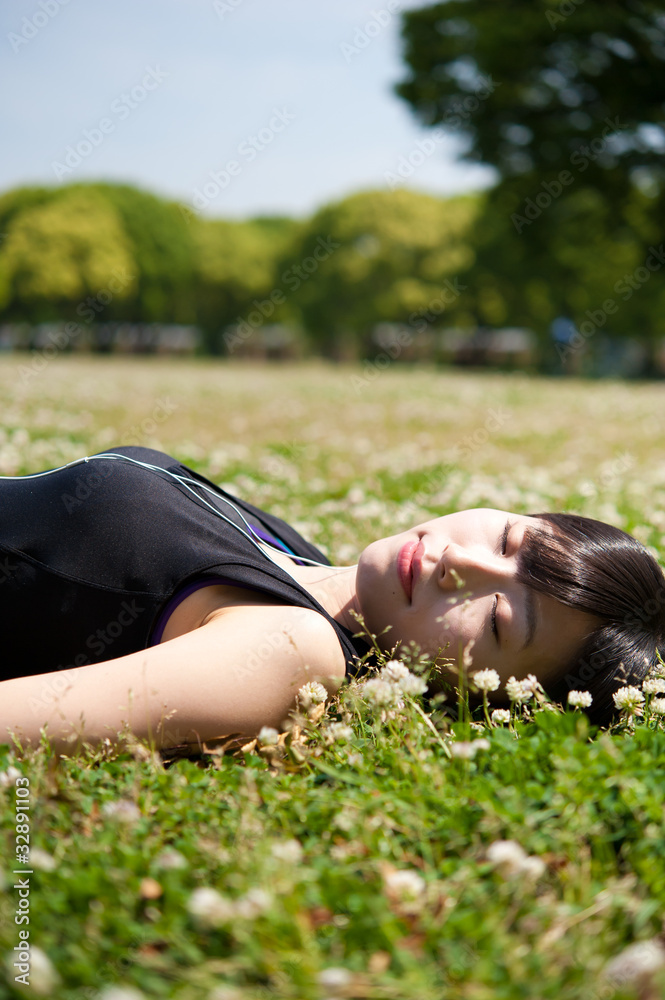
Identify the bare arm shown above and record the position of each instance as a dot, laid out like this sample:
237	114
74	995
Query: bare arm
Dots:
238	672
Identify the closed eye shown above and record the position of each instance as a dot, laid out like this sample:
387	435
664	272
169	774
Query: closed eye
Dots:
504	537
504	545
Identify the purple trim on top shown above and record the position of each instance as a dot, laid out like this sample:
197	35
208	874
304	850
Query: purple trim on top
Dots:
190	588
266	537
179	597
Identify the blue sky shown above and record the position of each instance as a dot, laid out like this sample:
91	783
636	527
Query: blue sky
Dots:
165	94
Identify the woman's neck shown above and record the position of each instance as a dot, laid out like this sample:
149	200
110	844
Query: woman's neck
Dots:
334	587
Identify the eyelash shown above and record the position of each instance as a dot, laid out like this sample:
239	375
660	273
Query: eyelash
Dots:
504	543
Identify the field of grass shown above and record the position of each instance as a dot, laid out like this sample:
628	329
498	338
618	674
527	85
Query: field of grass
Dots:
367	859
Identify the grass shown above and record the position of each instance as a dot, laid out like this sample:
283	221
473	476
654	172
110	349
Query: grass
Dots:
303	844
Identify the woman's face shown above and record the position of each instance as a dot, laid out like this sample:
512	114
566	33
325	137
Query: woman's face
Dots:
452	580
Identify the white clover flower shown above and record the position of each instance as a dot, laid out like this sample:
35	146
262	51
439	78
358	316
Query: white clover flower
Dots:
210	908
253	904
9	776
628	698
394	670
467	750
499	716
654	685
658	706
334	978
311	694
170	859
405	886
511	860
124	810
579	699
397	673
120	993
268	736
42	860
380	693
486	680
531	683
43	975
412	684
519	691
289	851
507	855
636	964
337	732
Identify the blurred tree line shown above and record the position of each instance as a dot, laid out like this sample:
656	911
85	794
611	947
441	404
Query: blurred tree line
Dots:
564	98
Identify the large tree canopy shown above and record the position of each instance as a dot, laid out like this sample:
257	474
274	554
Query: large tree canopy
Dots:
528	84
566	100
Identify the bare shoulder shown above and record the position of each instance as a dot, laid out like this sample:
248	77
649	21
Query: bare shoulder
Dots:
278	632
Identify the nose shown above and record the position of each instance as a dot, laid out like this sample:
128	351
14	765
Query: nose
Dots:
474	566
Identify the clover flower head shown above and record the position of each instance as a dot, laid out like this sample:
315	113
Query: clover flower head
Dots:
210	908
381	693
334	978
120	993
658	706
654	685
467	749
289	851
44	977
268	736
518	691
531	683
486	680
636	964
42	860
253	904
312	693
394	670
337	732
499	716
9	776
579	699
511	860
123	810
405	886
628	698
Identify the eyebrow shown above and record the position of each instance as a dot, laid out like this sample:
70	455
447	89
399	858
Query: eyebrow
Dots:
531	617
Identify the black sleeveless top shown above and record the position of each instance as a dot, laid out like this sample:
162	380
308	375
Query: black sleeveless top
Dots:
90	555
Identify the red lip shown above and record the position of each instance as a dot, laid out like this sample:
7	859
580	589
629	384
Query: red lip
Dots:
408	565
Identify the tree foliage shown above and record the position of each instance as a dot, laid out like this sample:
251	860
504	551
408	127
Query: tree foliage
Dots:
552	77
375	256
566	101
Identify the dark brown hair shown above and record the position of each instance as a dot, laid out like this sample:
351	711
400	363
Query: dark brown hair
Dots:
599	569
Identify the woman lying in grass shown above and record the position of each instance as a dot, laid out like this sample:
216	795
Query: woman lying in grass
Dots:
136	593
